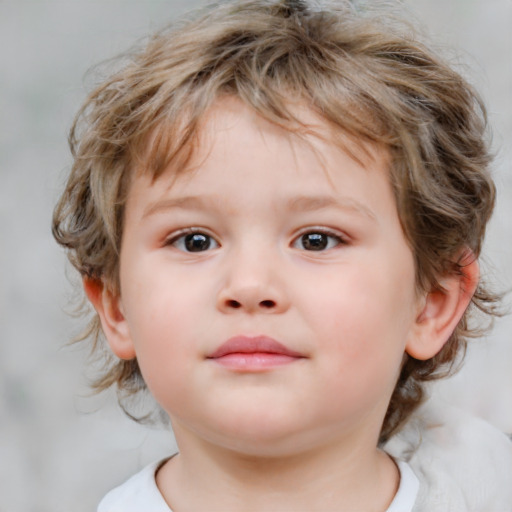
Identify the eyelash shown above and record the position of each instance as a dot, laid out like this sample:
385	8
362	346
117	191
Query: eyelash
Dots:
339	239
182	235
179	240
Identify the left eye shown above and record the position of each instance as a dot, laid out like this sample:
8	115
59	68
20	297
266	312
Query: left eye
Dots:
317	241
194	242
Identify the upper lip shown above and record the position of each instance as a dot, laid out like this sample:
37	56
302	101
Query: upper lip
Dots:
252	345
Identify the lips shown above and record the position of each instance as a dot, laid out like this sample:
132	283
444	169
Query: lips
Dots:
258	353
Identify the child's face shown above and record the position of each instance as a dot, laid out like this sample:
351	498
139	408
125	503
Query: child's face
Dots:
267	239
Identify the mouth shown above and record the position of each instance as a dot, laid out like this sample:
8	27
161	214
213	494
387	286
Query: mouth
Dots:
253	354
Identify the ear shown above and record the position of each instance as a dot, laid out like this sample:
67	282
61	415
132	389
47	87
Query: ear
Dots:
109	308
442	310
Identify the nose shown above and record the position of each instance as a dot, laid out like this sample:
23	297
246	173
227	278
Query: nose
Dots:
253	285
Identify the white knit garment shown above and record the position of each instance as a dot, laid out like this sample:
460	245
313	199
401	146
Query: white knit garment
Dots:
463	463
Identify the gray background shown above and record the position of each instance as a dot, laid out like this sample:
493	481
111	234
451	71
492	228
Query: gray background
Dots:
60	449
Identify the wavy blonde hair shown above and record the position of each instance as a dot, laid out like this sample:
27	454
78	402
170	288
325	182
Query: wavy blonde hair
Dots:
362	72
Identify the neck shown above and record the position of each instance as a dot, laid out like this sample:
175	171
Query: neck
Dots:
337	476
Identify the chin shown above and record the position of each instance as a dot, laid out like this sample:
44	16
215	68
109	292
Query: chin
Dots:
264	438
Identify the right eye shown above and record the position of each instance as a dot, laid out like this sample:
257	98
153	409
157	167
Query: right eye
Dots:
193	242
318	240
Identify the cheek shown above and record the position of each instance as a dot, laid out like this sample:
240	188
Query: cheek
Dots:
363	322
165	364
162	327
159	303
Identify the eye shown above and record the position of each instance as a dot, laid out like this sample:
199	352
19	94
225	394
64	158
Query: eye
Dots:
317	241
193	242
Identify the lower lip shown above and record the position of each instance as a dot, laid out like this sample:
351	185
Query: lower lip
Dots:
254	361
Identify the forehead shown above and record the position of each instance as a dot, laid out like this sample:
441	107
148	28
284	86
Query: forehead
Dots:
183	147
240	160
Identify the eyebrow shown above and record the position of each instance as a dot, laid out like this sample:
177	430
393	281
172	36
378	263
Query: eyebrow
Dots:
311	203
184	203
295	204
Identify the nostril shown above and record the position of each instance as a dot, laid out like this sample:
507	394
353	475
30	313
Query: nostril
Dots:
250	305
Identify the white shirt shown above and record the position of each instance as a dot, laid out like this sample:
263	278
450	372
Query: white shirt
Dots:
140	493
462	463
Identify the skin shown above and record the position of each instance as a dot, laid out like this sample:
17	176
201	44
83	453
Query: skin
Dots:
251	440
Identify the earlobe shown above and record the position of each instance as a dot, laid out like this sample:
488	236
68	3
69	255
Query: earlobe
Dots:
442	310
114	324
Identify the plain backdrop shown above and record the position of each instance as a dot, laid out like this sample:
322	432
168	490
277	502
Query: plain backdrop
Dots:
60	448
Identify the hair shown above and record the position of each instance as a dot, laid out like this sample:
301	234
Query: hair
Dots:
364	73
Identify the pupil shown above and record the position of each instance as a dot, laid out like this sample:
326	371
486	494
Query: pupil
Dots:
197	242
314	241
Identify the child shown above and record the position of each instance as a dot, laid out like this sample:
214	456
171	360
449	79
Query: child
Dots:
277	210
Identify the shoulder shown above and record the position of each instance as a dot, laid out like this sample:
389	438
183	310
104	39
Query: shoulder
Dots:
138	494
462	462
